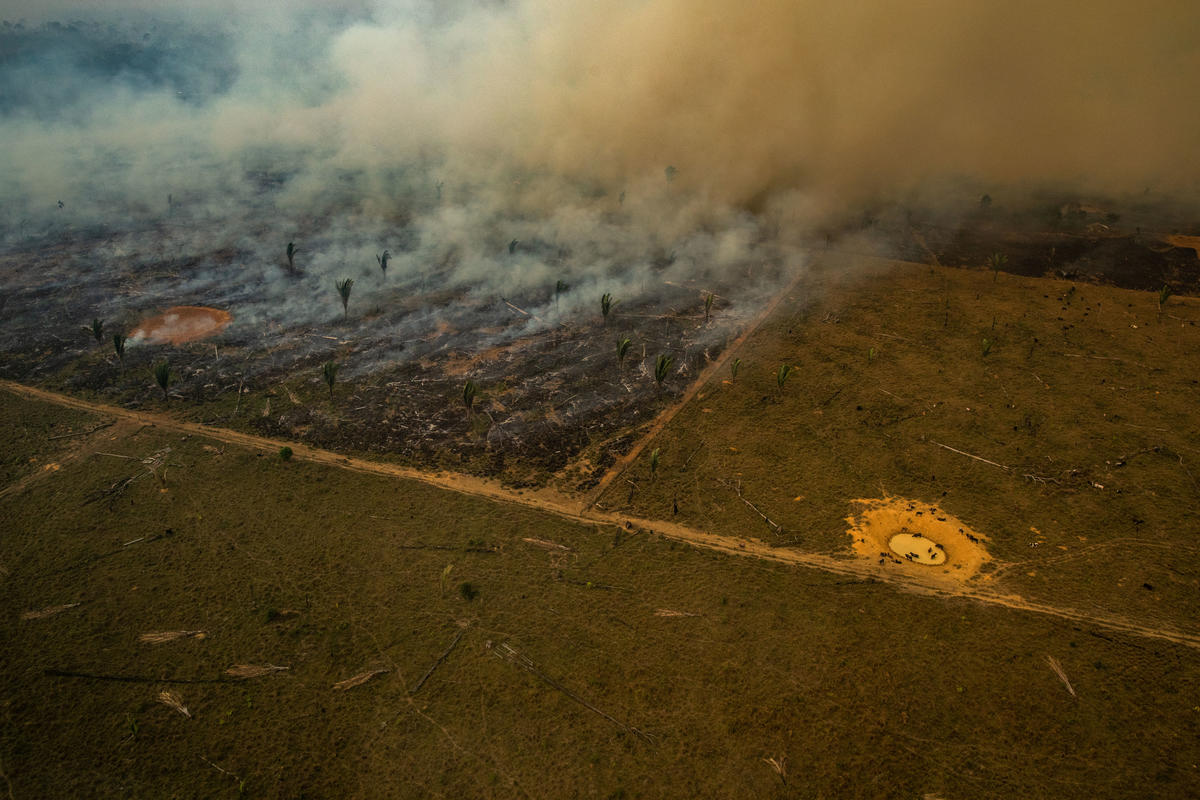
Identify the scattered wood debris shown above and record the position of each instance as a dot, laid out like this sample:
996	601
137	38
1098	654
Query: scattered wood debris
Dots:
172	700
738	488
508	653
970	455
547	545
49	611
666	612
159	637
358	680
439	661
86	432
246	671
1062	675
779	765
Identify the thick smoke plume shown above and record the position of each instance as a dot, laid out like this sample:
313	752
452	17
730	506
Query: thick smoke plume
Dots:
853	100
818	105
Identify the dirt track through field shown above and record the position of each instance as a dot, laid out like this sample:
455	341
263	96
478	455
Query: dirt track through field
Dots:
577	511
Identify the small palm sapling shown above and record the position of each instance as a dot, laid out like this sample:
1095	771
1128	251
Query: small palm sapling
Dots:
329	371
662	367
163	376
344	286
560	286
622	350
468	396
606	306
996	261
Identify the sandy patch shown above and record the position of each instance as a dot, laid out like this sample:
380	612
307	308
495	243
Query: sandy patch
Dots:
917	538
181	324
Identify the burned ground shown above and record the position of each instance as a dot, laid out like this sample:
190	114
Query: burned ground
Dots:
550	385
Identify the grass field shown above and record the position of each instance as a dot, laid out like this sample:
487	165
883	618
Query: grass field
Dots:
527	653
1084	403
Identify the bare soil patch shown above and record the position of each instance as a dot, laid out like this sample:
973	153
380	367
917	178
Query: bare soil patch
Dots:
181	324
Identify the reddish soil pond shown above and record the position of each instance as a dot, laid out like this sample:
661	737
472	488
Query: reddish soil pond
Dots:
182	324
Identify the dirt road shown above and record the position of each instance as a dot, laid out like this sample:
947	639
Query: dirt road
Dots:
550	503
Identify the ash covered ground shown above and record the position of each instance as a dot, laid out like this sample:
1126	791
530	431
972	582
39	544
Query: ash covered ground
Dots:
510	303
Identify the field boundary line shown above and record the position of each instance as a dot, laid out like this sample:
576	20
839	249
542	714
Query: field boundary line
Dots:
702	380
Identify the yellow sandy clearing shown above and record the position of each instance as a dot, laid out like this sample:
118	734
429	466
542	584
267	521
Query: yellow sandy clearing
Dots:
918	538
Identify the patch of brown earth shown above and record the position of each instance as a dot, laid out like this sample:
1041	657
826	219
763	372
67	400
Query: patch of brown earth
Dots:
181	324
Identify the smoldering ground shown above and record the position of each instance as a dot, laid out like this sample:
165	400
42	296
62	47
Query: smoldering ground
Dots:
654	150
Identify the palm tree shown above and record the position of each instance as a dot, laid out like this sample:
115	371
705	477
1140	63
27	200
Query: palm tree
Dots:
781	375
330	371
1164	294
662	366
622	349
468	396
291	256
606	306
344	286
162	374
559	287
383	261
996	261
98	330
119	346
708	304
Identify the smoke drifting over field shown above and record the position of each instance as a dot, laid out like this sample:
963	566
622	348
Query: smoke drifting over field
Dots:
806	104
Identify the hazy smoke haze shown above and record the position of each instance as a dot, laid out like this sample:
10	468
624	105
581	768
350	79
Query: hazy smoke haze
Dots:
749	101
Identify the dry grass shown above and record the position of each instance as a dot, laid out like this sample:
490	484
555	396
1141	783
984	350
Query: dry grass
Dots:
1074	434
